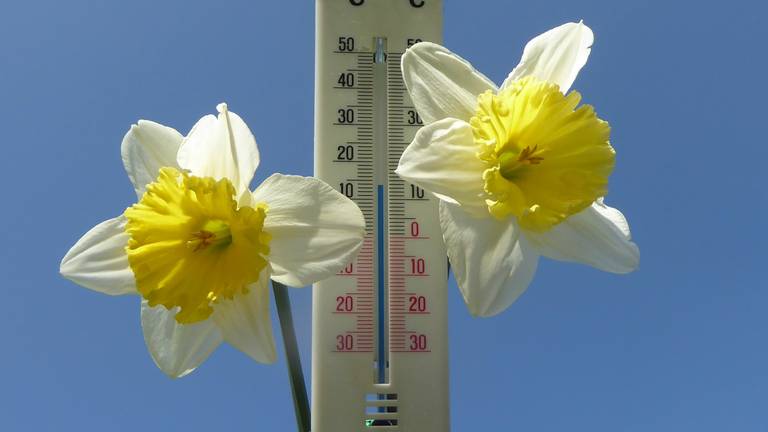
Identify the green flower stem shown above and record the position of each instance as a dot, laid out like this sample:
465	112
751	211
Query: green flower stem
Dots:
296	375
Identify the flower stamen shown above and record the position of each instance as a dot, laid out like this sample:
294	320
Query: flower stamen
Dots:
510	162
527	156
213	232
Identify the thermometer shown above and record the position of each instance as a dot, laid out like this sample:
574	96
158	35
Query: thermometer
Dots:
379	345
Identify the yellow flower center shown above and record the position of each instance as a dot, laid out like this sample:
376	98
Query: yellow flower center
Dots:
546	159
190	245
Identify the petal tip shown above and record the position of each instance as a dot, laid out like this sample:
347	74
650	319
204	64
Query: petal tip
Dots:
63	270
175	376
490	310
173	373
271	357
633	263
67	269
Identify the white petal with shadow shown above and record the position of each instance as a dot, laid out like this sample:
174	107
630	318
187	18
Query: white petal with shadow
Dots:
597	236
98	260
441	83
245	321
555	56
315	230
221	147
491	260
177	349
442	160
147	147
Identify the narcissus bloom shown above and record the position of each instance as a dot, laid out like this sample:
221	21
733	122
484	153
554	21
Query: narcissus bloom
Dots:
199	247
521	170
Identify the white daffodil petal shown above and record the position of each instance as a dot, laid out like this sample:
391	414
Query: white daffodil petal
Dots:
597	236
491	260
177	349
147	147
315	230
245	321
221	147
614	215
443	160
555	56
441	83
98	260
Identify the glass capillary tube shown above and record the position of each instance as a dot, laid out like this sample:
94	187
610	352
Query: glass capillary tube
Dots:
380	178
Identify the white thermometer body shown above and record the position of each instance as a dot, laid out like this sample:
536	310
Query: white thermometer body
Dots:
380	349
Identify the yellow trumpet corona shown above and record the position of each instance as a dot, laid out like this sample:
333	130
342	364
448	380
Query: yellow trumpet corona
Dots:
546	158
191	245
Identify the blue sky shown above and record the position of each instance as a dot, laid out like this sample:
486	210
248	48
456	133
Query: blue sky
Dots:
678	345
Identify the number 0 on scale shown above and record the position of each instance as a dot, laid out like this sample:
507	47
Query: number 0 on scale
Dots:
379	354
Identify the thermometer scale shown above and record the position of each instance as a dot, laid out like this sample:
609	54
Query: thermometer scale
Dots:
379	350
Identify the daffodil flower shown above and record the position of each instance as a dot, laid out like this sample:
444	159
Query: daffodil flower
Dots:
199	247
521	170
